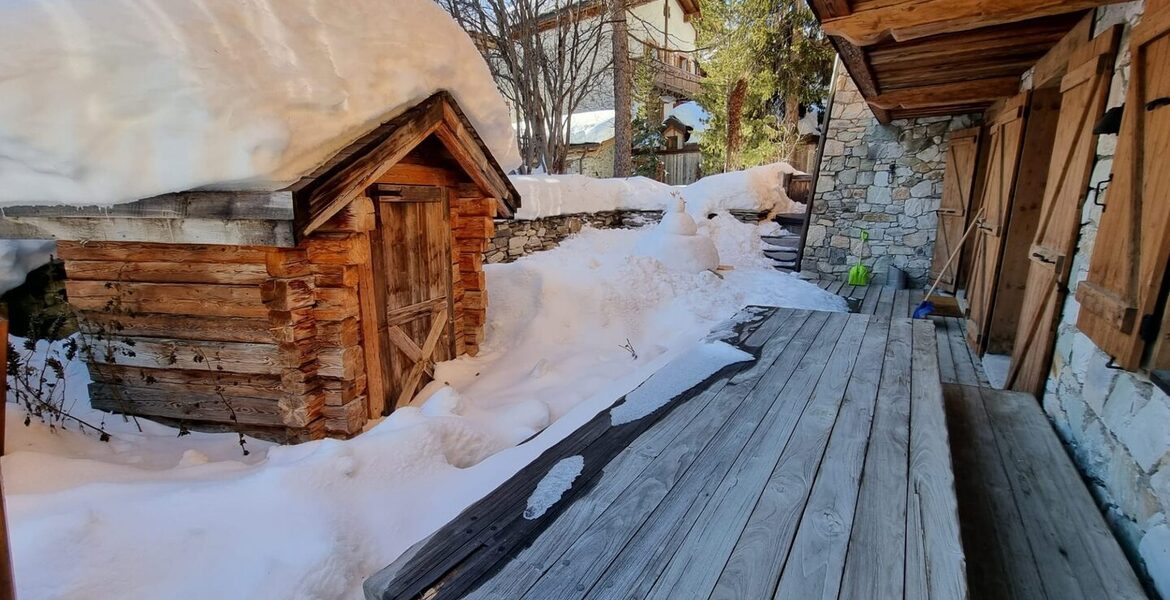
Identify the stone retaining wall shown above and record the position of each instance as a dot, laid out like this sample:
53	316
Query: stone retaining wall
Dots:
515	238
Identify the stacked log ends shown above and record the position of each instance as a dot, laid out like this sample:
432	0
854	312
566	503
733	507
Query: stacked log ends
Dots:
472	227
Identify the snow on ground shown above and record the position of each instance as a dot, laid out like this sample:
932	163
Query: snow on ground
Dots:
150	515
552	487
758	188
104	102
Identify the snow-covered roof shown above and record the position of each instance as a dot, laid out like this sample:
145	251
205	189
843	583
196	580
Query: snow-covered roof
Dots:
107	102
690	113
591	127
596	126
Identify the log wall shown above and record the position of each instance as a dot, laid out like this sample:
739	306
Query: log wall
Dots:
271	338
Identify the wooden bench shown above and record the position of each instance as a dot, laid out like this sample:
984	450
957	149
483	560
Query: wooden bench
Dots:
1030	527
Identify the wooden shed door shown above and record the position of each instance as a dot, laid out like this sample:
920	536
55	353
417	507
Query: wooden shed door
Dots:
1005	136
1128	268
958	188
412	266
1084	92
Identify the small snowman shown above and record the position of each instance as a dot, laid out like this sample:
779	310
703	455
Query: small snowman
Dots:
675	242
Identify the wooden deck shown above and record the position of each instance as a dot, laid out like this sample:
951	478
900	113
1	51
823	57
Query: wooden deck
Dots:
820	469
957	362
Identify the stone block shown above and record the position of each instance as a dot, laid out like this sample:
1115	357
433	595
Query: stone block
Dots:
922	189
878	195
1099	381
1147	434
915	239
1154	549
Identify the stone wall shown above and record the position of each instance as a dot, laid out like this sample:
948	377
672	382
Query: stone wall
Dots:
884	179
1116	423
515	238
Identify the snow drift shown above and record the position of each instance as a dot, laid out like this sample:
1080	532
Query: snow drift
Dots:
759	188
104	102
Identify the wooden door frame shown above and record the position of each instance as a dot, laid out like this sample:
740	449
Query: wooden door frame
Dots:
412	193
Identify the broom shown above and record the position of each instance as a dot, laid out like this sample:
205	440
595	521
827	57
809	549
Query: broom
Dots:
927	307
859	273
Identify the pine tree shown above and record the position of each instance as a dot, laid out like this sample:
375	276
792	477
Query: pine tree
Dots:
753	103
647	126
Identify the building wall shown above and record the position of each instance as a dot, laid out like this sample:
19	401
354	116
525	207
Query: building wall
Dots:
266	340
646	22
884	179
594	162
1116	423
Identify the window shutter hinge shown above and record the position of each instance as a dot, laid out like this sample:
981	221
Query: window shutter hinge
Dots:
1148	329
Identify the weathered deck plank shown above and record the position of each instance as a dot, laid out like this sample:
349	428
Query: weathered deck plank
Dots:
934	551
817	556
882	495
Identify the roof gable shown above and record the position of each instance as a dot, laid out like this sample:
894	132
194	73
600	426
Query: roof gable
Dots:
334	184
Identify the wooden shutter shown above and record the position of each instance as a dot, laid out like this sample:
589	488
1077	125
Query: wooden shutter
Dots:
1084	92
958	188
1005	137
1120	296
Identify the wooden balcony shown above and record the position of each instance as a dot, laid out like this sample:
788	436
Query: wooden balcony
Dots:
675	80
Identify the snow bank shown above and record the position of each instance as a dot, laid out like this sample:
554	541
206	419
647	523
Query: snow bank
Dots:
759	188
104	102
151	515
19	257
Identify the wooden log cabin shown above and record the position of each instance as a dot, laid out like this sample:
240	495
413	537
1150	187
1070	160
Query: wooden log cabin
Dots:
296	313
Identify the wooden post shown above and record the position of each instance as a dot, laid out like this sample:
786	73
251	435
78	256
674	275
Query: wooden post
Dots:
7	580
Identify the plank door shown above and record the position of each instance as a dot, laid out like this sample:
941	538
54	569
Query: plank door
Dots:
1084	93
412	266
953	210
1005	138
1120	296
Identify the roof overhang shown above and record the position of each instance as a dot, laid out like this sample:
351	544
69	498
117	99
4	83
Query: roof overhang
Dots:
921	58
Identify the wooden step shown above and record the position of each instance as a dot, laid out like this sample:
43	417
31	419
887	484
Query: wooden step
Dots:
1030	527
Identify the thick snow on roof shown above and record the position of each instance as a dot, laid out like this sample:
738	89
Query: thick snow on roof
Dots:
591	127
105	102
690	113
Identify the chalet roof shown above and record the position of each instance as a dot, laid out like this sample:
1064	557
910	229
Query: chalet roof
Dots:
276	218
591	8
917	58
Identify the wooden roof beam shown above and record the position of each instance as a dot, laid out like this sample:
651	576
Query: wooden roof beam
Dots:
948	94
913	19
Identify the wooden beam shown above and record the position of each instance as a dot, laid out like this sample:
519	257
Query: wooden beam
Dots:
913	19
964	92
1054	64
860	71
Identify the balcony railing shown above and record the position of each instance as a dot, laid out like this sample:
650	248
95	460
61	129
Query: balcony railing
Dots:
670	78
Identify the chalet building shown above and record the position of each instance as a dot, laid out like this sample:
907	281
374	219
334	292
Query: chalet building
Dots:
296	313
1026	139
661	30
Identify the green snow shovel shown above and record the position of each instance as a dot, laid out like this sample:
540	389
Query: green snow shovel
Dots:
859	273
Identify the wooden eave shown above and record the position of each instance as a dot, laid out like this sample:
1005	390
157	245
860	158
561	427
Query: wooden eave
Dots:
342	178
918	58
